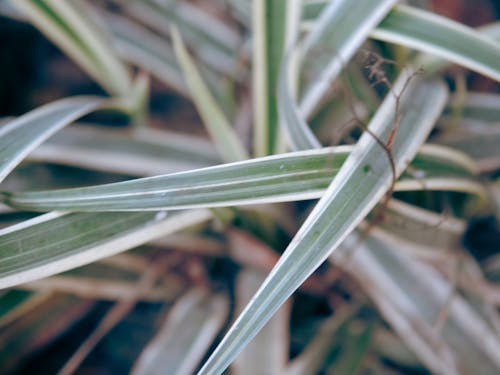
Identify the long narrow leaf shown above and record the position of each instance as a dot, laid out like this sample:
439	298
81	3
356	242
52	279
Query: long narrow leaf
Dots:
279	178
147	153
345	25
345	28
185	336
57	242
217	125
411	296
268	44
362	181
20	136
213	41
441	37
67	26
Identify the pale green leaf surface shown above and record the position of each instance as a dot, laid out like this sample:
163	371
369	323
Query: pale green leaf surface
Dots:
268	352
417	293
20	136
484	107
217	124
362	181
442	37
214	42
56	242
66	25
141	47
279	178
426	229
268	44
483	148
343	26
147	153
434	63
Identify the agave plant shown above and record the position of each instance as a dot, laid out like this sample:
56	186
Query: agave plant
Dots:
337	138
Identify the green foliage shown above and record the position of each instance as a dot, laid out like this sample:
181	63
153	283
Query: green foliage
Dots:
391	211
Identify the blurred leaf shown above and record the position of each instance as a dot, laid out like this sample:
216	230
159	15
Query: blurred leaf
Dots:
214	42
218	126
435	232
66	25
415	299
441	37
148	152
268	45
99	288
137	45
268	352
353	352
185	336
342	27
16	303
313	356
483	107
113	317
38	328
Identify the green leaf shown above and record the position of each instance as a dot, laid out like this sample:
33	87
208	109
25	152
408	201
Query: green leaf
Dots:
342	26
218	126
442	37
279	178
483	107
411	295
212	40
429	231
268	44
145	153
56	242
136	44
268	352
362	181
66	24
20	136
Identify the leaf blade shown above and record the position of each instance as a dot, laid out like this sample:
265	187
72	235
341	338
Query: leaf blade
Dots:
348	199
442	37
23	134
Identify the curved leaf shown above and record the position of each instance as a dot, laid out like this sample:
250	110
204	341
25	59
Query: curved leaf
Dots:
442	37
279	178
66	25
216	122
20	136
56	242
362	181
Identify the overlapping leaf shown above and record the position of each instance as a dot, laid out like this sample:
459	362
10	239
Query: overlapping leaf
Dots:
65	24
441	37
279	178
23	134
359	185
